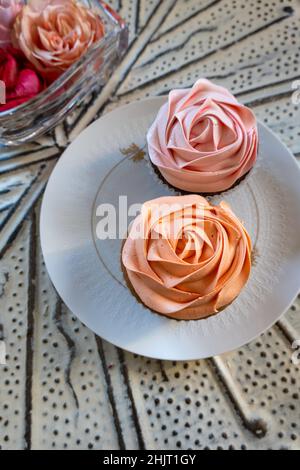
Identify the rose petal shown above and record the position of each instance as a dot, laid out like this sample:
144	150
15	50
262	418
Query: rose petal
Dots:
13	103
10	72
28	84
53	34
22	82
8	13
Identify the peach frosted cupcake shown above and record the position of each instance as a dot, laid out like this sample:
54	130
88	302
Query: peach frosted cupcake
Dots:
185	258
203	140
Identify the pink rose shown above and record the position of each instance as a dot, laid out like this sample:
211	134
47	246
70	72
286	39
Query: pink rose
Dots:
203	140
53	34
21	82
8	12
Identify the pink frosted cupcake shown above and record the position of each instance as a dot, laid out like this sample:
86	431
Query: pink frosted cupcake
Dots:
203	140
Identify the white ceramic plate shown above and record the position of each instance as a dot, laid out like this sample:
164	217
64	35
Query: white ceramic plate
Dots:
101	164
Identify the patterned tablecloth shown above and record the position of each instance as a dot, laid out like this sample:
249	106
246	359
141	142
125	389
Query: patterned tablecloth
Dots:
62	386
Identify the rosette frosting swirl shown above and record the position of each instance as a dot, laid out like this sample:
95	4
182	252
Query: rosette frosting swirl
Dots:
203	140
185	258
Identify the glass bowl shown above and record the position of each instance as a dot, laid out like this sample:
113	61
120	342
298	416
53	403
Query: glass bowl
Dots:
92	71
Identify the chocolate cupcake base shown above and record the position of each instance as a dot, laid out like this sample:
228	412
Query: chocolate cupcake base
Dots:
183	192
